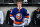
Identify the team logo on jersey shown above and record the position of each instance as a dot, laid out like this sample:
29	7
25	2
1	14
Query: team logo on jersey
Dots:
18	16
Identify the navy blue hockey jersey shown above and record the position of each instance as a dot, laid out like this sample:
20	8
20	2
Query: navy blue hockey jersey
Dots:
19	15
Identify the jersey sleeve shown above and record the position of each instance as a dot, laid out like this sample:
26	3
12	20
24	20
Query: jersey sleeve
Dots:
27	18
12	14
27	14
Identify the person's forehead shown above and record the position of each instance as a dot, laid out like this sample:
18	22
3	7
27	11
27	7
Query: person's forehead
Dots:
19	2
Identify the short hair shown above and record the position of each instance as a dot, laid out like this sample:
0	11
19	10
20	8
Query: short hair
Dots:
19	1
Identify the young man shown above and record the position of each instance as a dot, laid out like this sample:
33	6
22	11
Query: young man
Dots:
18	15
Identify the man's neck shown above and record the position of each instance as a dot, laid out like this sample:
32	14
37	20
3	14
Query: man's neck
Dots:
19	7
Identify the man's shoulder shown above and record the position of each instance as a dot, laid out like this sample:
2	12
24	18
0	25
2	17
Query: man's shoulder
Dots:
14	8
24	9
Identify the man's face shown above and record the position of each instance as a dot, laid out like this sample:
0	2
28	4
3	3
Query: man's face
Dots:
19	3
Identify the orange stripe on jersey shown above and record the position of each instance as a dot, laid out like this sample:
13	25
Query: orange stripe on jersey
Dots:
11	15
27	16
37	10
18	22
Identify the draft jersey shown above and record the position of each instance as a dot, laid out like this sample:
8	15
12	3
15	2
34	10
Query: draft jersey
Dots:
19	15
36	17
8	19
1	17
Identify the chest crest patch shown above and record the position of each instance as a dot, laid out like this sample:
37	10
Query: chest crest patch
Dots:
18	16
